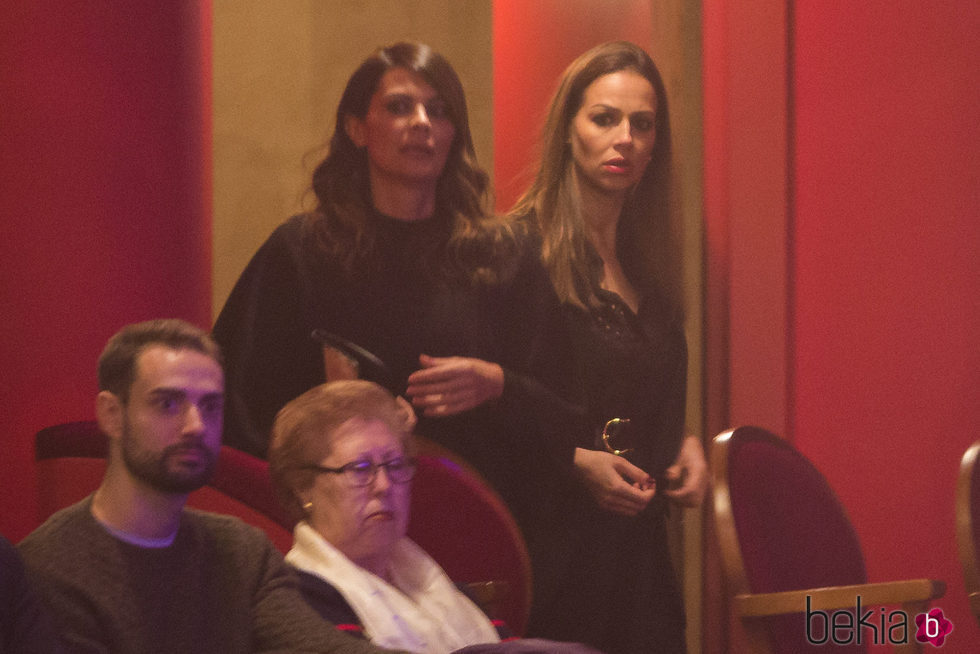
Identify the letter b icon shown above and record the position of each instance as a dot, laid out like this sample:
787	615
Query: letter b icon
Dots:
932	627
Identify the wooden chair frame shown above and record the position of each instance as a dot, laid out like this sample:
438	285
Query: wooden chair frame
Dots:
913	595
965	528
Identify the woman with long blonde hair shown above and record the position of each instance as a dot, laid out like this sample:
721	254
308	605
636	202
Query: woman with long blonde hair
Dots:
601	203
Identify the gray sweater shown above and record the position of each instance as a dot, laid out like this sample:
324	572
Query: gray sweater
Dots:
220	587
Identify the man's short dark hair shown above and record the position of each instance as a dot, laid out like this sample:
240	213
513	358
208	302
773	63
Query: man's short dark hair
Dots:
117	363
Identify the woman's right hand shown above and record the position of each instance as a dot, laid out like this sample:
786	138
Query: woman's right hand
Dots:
616	484
445	386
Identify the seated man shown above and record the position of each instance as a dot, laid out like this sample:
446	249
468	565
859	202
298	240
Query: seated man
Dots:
130	569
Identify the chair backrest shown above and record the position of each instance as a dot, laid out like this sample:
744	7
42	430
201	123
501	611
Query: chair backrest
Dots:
464	525
968	524
780	526
70	462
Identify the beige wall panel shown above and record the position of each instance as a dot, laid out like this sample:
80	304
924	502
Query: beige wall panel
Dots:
676	47
279	68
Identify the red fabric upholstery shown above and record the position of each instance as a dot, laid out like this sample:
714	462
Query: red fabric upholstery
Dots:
72	439
792	529
70	462
465	526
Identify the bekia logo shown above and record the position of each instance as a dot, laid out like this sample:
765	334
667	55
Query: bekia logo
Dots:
933	627
844	627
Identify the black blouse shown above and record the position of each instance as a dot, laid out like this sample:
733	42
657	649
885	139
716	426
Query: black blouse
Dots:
400	305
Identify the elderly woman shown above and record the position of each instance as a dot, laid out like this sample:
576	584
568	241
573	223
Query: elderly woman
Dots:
341	462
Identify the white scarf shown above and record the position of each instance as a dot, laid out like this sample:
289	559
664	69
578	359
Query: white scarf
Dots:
422	611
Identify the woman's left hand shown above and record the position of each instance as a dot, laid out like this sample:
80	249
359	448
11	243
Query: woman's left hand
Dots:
445	386
691	470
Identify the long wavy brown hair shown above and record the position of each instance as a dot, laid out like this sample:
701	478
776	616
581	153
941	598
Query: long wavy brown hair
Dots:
477	242
647	236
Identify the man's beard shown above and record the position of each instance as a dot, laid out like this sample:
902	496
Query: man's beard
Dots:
155	468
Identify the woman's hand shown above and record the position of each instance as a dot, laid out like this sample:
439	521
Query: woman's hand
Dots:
445	386
691	470
616	484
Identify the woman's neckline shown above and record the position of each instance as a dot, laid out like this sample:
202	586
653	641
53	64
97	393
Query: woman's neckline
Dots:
381	215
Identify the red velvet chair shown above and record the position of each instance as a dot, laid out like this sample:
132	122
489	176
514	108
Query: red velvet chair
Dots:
968	524
455	515
785	538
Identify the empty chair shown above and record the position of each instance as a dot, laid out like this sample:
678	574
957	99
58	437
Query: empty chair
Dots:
787	546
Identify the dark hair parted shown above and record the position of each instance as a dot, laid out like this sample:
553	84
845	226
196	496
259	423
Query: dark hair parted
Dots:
303	431
341	183
647	239
117	363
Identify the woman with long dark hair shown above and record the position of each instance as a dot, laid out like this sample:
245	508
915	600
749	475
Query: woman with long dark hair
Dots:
402	257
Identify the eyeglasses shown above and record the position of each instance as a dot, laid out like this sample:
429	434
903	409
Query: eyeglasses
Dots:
363	472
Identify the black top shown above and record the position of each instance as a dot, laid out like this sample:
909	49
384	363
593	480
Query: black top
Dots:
632	366
602	578
399	305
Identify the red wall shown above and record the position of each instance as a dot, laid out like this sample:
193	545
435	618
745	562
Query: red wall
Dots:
105	202
840	149
886	362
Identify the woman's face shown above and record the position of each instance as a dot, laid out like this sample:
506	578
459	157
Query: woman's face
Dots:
613	133
362	522
406	131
